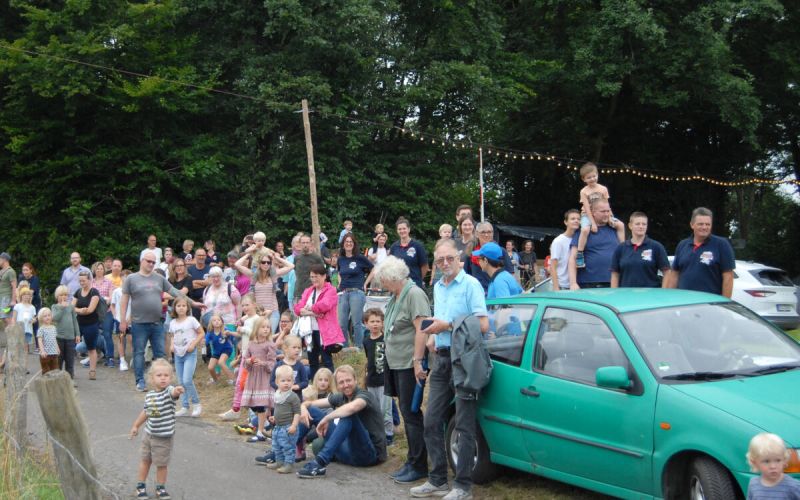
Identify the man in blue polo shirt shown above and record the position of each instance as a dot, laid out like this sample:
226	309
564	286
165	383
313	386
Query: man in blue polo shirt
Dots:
703	262
636	262
501	282
600	247
454	295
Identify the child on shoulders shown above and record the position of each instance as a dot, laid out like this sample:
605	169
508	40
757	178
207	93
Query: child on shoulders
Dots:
592	191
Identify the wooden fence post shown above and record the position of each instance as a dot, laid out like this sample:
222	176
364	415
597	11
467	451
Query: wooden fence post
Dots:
16	411
69	436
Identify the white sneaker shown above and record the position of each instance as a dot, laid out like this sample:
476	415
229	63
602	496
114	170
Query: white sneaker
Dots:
458	494
182	412
123	365
197	410
429	490
229	416
85	362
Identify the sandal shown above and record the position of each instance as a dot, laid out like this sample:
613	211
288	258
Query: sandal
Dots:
92	375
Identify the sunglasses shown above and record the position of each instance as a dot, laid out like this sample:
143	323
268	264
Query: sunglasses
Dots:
150	261
266	262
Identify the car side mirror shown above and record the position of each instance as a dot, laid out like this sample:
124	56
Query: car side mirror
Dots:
613	377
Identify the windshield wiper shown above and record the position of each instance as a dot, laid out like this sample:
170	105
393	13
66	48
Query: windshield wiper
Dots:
700	376
776	368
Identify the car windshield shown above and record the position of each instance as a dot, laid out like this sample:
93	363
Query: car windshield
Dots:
709	342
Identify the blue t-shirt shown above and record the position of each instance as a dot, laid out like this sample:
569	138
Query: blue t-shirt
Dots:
475	270
300	376
414	255
353	271
701	268
638	266
787	489
503	284
219	344
464	295
600	247
197	274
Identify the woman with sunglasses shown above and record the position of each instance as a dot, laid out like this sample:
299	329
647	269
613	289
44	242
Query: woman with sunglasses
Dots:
271	266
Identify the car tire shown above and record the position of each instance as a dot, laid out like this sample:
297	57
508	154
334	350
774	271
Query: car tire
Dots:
709	480
484	470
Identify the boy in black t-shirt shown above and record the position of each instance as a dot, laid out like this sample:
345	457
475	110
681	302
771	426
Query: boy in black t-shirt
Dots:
375	348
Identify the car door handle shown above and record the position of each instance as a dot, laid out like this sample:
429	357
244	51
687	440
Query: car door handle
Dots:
529	391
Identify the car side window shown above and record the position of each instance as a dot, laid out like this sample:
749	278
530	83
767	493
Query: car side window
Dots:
573	345
508	328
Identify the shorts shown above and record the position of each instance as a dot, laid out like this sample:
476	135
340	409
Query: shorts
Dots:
89	334
156	450
5	309
217	355
29	337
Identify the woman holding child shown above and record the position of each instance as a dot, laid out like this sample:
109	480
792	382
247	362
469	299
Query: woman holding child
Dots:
406	309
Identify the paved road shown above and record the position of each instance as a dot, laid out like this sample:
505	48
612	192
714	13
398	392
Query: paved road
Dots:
208	462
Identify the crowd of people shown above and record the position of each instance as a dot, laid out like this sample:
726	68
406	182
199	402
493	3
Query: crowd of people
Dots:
268	320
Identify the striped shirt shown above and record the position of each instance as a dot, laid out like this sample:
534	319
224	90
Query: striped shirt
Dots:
265	295
159	406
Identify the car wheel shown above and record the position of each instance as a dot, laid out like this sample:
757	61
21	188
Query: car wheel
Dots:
709	480
484	470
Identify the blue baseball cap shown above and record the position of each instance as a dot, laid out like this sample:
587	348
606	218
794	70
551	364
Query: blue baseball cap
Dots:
490	250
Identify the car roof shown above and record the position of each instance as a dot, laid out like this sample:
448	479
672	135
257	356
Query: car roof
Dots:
621	299
747	265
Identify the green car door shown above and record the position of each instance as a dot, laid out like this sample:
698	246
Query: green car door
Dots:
574	430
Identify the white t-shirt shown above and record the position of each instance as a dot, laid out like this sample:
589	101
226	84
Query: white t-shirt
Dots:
116	303
25	315
183	333
247	331
155	250
559	249
381	255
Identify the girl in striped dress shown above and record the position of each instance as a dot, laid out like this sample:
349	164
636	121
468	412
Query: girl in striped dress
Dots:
259	361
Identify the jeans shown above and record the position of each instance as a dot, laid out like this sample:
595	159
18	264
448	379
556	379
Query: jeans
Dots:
109	325
348	441
283	444
100	346
184	369
142	332
314	355
67	358
351	306
401	384
386	407
440	396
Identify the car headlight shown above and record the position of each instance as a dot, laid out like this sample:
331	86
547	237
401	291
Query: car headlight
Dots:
794	462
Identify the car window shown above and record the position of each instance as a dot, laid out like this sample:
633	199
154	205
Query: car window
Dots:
508	326
772	277
573	344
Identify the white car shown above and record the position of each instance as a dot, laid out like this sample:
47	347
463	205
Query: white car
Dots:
767	291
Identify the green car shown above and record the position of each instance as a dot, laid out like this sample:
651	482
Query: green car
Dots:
635	393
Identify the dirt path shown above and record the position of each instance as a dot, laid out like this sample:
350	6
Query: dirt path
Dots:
208	462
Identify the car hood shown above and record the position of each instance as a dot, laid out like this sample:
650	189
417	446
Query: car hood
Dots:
768	401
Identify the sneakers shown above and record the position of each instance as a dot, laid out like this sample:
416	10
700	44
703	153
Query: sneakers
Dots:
411	476
258	438
311	470
229	416
141	491
401	471
123	365
274	465
268	458
140	386
245	429
286	469
579	260
429	490
182	412
85	362
458	494
161	493
300	456
197	410
110	363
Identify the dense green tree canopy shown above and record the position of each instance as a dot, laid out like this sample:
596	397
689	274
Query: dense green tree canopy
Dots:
95	156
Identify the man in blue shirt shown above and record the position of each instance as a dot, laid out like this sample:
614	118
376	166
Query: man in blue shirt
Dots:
637	261
600	247
501	282
703	262
455	294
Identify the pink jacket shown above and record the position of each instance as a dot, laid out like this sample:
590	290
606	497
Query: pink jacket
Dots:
327	304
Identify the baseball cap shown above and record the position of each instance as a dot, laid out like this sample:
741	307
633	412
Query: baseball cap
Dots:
489	250
5	255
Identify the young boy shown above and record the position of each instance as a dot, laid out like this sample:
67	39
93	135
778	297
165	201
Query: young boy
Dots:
285	418
158	416
559	251
348	228
116	311
375	349
767	454
592	191
187	255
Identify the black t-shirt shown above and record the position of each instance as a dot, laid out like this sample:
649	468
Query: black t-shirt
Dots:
197	274
371	417
376	360
86	319
186	282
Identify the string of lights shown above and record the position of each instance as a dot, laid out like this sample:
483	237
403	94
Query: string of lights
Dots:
463	143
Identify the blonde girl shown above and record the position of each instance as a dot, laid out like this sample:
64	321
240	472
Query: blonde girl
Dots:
25	313
320	387
259	361
244	330
48	344
221	349
187	334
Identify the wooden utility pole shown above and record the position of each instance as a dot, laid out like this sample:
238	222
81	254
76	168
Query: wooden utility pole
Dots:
16	410
312	180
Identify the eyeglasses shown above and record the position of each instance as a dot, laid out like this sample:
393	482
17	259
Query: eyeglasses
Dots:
266	262
149	261
180	265
488	231
441	260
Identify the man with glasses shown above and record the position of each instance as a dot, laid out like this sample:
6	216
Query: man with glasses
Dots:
455	294
473	267
144	289
199	273
302	266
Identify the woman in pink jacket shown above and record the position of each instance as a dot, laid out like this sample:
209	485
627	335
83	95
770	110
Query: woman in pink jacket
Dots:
320	302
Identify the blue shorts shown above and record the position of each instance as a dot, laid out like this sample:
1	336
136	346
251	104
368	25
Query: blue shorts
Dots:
216	355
